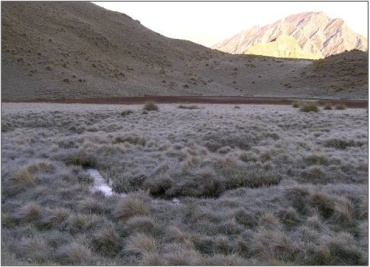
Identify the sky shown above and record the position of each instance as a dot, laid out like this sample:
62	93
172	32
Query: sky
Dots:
207	23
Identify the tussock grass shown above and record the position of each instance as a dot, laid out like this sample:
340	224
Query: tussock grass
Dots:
23	177
150	106
74	254
35	250
126	112
129	207
55	218
91	205
179	255
29	212
188	107
341	144
309	107
341	107
257	185
328	106
140	243
80	158
106	241
142	224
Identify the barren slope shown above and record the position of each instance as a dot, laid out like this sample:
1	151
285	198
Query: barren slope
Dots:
68	50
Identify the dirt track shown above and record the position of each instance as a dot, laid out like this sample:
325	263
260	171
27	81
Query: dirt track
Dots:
198	99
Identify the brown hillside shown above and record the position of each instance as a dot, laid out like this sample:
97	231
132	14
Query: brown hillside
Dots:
68	50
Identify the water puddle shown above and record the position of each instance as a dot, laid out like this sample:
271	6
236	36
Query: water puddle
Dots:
100	184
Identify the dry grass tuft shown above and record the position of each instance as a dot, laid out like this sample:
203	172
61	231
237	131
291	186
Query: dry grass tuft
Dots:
269	221
150	106
74	254
341	107
23	177
106	241
35	250
272	245
55	218
129	207
90	205
143	224
140	243
309	107
29	212
180	255
153	259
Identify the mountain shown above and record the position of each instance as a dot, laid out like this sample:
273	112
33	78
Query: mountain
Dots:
282	47
315	33
71	50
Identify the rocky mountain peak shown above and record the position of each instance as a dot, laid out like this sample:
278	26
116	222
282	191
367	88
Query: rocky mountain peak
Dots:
315	32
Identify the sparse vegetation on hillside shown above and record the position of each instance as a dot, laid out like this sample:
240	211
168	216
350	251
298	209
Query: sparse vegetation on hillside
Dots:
259	185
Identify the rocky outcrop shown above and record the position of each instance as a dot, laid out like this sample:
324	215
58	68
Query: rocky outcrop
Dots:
315	33
283	47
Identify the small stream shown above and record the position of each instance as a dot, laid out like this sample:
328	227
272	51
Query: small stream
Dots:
100	184
106	188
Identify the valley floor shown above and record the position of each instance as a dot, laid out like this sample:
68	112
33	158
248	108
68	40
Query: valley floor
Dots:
201	184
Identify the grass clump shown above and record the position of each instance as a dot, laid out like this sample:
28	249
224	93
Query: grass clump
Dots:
130	207
188	107
341	107
126	112
23	177
106	242
309	107
317	160
81	158
142	224
150	106
340	143
328	106
296	104
29	212
140	243
74	254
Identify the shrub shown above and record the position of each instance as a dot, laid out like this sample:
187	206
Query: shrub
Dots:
129	207
150	106
309	107
140	243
